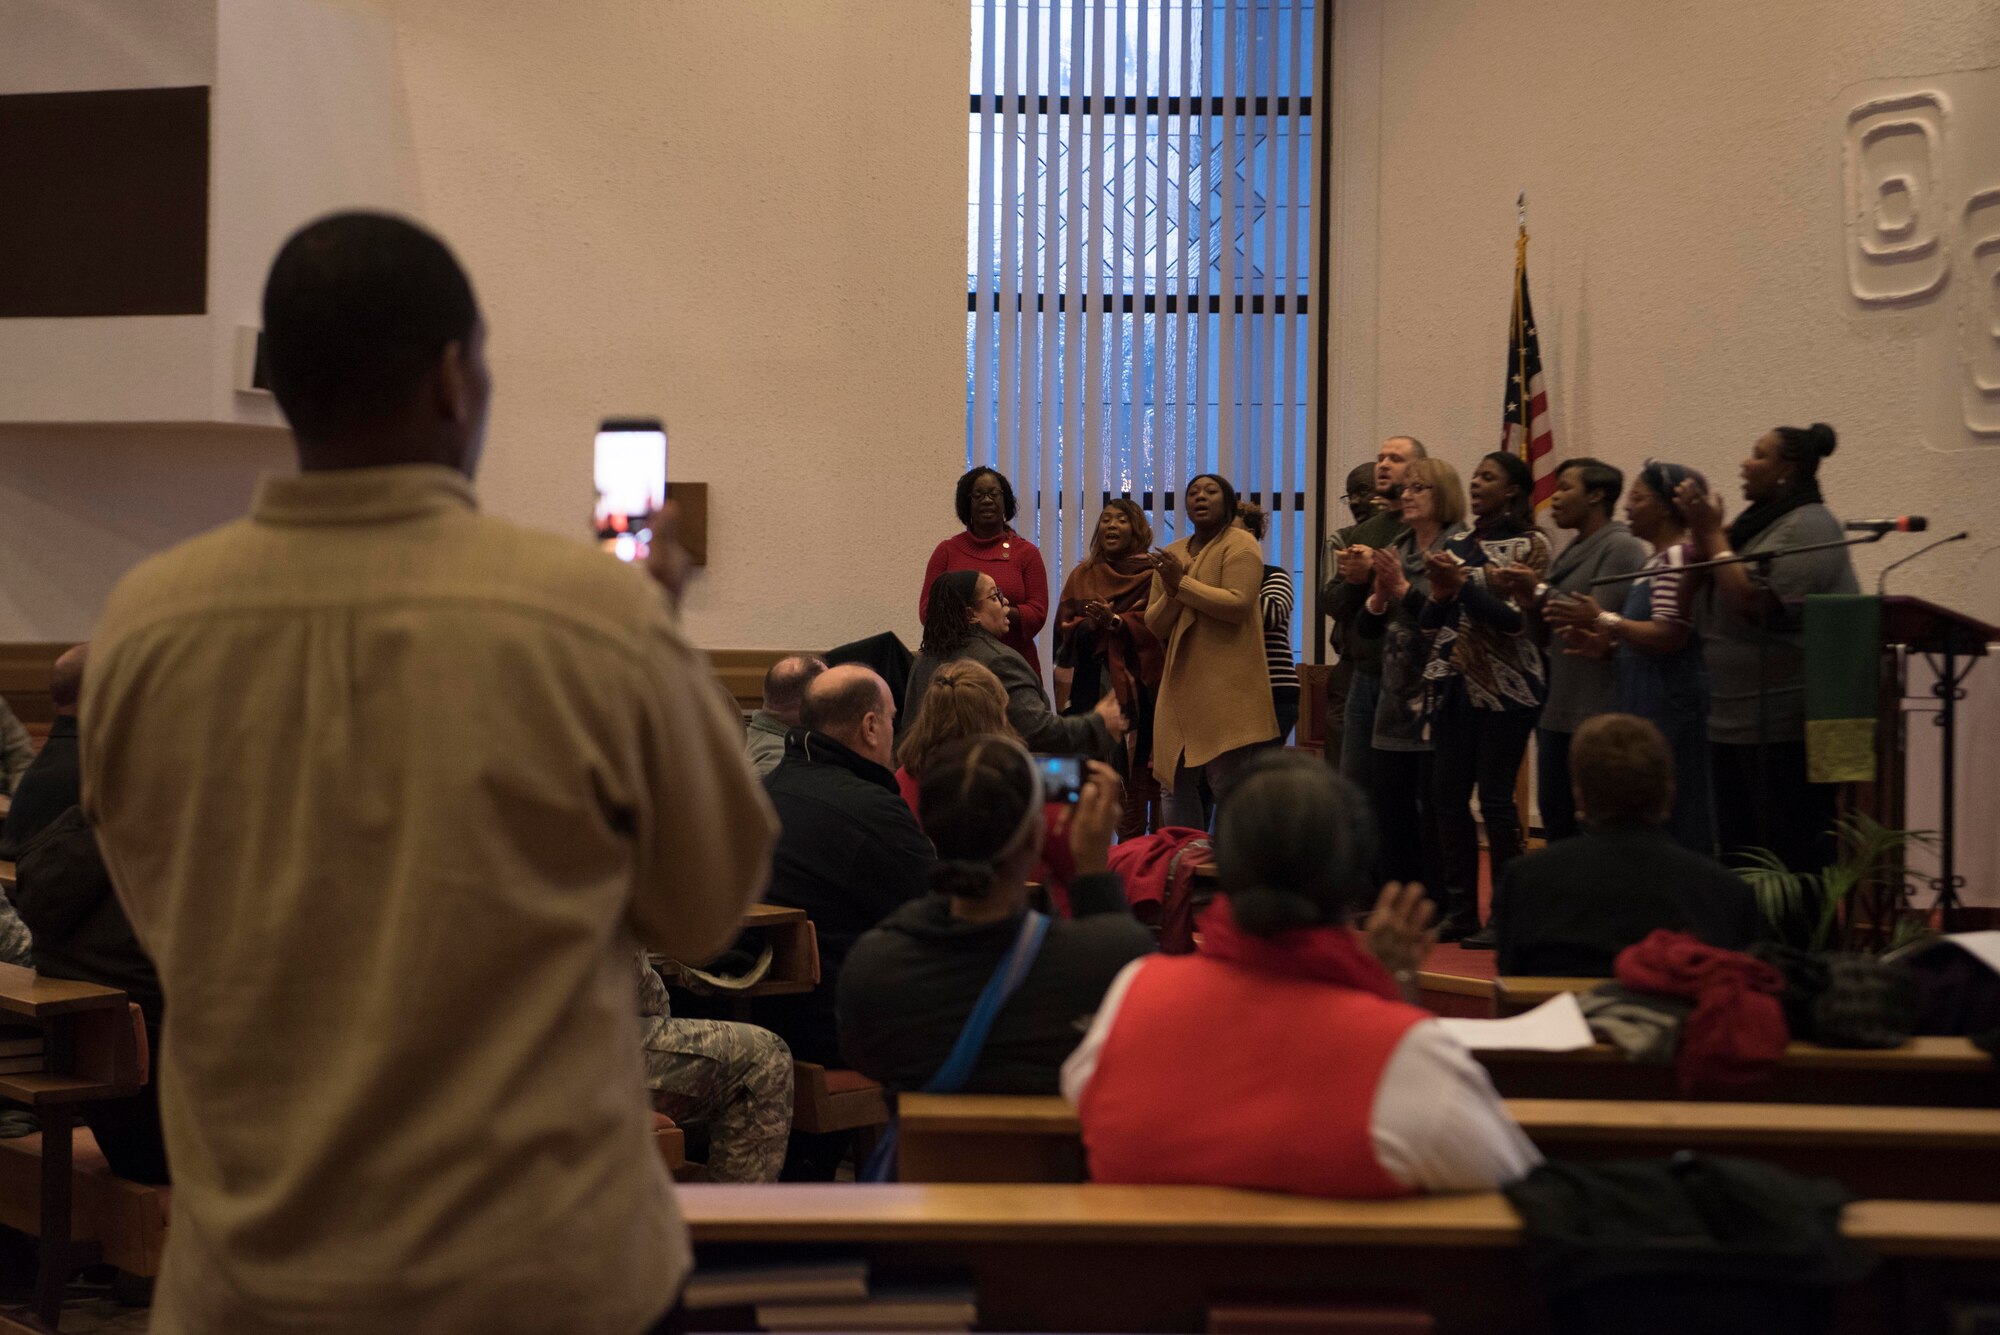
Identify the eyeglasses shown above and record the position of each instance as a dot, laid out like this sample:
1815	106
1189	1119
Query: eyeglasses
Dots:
995	596
1415	488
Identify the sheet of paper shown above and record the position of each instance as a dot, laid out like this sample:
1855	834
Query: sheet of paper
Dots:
1557	1025
1982	946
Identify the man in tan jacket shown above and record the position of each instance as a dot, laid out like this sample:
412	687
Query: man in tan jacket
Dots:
391	792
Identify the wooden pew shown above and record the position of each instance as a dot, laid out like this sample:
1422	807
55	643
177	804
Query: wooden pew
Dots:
1055	1257
93	1053
832	1100
1927	1153
1924	1072
1511	996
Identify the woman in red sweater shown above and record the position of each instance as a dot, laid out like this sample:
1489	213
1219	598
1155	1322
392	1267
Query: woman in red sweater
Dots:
990	546
1284	1054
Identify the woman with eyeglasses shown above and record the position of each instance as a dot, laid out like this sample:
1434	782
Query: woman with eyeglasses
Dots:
1102	637
1433	505
1488	680
1661	675
968	614
990	546
1215	690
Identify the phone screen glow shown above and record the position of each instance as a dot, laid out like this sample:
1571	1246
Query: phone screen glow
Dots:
630	471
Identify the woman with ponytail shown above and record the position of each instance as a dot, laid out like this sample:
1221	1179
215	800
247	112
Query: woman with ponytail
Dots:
1752	636
1285	1053
910	985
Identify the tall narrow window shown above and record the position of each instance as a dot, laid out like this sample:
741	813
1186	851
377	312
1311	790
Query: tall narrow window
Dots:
1142	237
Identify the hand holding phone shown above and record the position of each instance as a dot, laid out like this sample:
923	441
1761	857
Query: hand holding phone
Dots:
630	470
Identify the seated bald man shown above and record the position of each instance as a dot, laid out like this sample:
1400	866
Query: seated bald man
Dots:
784	695
849	851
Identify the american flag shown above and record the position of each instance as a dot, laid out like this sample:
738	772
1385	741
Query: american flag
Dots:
1524	422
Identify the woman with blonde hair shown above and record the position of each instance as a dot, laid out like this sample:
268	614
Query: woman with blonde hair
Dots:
1103	638
965	699
1433	503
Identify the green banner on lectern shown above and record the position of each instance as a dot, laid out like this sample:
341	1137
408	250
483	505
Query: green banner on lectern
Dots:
1843	675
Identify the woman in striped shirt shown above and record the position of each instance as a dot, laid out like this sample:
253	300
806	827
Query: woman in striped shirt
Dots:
1274	601
1662	675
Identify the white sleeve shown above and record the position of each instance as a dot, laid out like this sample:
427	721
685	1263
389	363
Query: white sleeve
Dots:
1437	1124
1082	1064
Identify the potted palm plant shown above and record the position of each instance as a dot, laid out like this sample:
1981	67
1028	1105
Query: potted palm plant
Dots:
1815	911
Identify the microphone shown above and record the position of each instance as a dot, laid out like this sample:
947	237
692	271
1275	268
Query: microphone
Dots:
1900	524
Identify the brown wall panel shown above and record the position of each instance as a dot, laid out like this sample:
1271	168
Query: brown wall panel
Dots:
106	202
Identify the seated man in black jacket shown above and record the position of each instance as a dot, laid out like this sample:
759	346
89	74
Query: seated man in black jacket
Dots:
53	782
849	851
910	984
1568	910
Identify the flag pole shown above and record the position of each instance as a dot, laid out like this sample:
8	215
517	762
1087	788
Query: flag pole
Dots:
1520	333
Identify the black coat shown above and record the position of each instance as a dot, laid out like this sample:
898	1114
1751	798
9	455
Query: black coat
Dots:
849	853
52	785
911	983
1568	910
63	893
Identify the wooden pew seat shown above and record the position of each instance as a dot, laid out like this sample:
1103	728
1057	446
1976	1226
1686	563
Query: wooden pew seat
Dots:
1923	1072
1929	1153
127	1220
1084	1257
826	1100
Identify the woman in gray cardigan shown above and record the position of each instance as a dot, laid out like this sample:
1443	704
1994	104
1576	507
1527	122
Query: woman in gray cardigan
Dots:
966	615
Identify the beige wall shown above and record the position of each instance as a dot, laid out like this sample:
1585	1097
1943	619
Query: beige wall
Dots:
746	217
1692	233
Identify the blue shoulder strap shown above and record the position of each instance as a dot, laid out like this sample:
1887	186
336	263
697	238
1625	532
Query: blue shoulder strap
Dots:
1006	980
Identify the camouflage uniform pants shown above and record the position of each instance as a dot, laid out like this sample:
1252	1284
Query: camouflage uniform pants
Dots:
737	1078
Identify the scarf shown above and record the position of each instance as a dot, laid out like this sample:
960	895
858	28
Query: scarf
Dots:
1326	954
1135	658
1736	1032
1763	514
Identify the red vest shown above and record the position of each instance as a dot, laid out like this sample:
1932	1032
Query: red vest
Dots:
1215	1075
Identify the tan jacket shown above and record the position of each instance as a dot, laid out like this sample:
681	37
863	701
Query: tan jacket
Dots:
1215	693
388	789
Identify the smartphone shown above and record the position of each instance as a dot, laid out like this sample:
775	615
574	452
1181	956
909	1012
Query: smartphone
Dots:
630	470
1062	777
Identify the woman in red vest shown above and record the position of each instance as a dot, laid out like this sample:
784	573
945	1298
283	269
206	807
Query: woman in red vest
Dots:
1283	1055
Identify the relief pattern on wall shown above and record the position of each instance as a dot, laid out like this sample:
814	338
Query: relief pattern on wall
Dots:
1920	177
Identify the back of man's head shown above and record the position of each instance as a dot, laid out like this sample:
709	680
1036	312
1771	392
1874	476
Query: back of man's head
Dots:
1621	771
785	685
1294	842
359	312
851	704
66	679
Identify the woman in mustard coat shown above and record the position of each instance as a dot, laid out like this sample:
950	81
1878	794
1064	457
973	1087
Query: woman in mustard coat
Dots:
1215	691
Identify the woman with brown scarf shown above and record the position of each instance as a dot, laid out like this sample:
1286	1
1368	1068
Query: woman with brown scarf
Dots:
1101	634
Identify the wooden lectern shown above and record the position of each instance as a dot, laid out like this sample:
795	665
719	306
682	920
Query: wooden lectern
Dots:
1953	643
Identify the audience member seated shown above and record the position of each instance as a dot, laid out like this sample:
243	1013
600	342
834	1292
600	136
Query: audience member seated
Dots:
17	749
1568	910
784	691
1280	1055
80	931
965	700
54	782
967	615
849	851
910	984
735	1079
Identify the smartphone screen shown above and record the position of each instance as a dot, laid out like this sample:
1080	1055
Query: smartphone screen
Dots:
630	470
1062	777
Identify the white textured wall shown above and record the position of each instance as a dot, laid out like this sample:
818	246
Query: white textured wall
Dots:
746	217
1691	240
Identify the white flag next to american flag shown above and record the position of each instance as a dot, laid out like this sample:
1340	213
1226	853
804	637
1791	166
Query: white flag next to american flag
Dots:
1525	425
